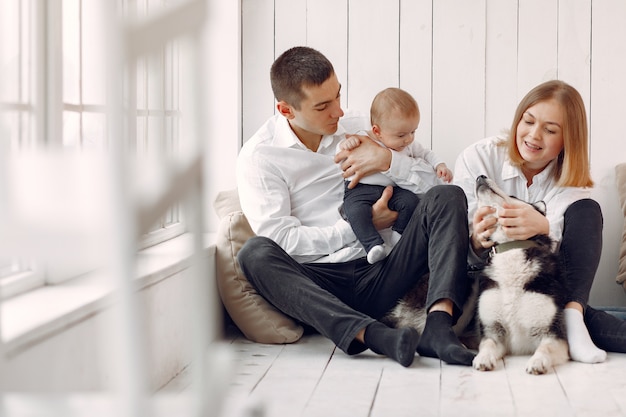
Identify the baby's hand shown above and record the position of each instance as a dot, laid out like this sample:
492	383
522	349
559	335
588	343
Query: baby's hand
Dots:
351	142
444	173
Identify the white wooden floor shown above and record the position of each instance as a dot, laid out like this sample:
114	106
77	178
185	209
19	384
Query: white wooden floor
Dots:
313	378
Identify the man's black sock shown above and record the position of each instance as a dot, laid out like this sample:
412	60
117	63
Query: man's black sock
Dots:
440	341
398	344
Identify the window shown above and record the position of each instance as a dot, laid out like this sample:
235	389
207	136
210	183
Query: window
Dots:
84	76
53	94
17	63
157	100
18	60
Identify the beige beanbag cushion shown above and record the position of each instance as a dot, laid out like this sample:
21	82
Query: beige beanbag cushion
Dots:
258	320
620	176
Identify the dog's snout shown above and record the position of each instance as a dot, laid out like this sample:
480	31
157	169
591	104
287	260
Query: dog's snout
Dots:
481	182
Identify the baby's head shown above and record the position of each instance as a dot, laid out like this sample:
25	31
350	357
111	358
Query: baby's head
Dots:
395	116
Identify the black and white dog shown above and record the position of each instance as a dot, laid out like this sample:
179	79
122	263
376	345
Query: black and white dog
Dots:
521	296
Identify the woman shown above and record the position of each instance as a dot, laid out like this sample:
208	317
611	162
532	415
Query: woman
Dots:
544	157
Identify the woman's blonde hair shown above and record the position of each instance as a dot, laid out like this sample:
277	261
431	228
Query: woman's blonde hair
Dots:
572	166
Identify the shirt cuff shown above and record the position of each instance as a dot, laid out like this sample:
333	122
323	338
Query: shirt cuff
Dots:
345	231
398	164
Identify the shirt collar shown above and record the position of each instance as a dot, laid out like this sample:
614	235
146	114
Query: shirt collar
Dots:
286	138
510	171
331	140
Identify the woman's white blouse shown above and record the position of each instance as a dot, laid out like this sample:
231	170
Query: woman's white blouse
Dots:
486	157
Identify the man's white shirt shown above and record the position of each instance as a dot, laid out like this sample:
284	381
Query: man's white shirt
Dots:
292	195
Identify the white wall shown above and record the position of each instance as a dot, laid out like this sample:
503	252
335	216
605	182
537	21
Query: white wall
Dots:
467	62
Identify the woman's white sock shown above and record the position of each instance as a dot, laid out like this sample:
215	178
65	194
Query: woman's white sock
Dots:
581	347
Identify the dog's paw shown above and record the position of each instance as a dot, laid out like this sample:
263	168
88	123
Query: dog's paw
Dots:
485	361
538	364
489	353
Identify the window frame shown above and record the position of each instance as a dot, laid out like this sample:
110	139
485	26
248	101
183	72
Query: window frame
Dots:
46	102
28	276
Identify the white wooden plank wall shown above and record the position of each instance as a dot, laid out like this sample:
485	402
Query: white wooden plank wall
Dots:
467	62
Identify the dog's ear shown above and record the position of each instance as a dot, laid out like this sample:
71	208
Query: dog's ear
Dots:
540	206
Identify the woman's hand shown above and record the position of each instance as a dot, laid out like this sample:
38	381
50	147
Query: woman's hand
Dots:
483	222
367	158
521	221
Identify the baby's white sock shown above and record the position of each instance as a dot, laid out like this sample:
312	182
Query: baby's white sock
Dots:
377	253
581	347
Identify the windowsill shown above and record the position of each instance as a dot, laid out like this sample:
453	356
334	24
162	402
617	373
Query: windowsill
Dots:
45	311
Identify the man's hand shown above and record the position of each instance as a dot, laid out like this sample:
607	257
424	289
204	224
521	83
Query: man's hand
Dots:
382	216
365	159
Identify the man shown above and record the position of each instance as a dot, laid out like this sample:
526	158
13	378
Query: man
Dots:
306	260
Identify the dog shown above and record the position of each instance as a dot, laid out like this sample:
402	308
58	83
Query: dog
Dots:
522	296
519	297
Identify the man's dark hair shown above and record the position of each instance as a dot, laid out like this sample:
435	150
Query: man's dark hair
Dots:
298	67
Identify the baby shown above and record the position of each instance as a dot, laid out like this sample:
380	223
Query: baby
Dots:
394	117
